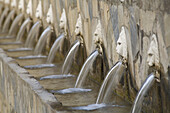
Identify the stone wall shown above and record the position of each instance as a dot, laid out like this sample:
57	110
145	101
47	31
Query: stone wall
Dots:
142	18
19	93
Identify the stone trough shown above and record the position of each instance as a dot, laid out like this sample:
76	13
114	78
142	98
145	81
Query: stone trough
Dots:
78	56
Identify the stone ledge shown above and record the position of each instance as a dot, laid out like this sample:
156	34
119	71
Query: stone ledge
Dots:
20	90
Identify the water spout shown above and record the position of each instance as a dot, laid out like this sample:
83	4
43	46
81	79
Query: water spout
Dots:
3	15
54	48
51	55
112	79
142	92
41	42
69	58
7	22
22	29
33	34
15	25
82	75
85	69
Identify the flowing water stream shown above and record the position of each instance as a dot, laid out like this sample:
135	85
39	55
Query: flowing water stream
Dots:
110	82
66	66
42	40
8	20
69	58
33	34
22	30
142	92
20	33
105	93
85	69
39	46
3	15
81	77
15	25
54	48
51	55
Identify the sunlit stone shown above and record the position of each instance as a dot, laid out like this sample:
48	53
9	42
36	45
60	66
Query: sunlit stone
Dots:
98	36
7	1
121	47
21	5
39	10
79	27
50	17
13	3
153	52
29	8
63	20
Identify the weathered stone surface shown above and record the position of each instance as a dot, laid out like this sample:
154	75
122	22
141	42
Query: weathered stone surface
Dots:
134	36
21	93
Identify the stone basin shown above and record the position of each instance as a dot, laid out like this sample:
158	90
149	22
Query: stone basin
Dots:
68	100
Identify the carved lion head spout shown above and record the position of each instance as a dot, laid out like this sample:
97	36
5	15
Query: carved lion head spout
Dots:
153	56
79	27
121	47
13	3
50	17
63	21
153	52
21	5
39	13
29	8
98	37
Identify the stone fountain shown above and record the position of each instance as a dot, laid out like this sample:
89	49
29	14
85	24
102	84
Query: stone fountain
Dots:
128	47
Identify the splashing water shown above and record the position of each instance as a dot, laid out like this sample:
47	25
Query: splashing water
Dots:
15	25
39	46
54	48
7	22
70	91
92	107
56	77
32	57
39	66
85	69
42	40
69	58
142	92
111	80
33	34
50	56
20	49
3	15
22	29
